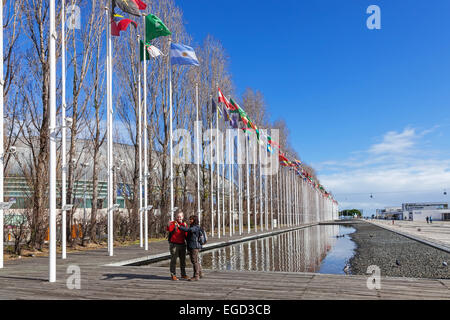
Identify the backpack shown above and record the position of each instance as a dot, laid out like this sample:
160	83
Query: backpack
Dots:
202	238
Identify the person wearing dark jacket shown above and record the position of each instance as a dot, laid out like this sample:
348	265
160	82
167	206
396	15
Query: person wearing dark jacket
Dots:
177	245
193	246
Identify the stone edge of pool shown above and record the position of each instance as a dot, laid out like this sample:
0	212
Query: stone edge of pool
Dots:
166	255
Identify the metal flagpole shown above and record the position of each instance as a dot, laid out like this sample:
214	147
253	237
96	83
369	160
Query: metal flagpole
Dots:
222	160
278	200
198	157
222	147
260	191
294	207
230	177
294	198
291	200
171	138
52	158
211	174
247	181
287	197
233	198
283	201
2	151
271	202
254	186
141	238
239	179
110	136
217	169
63	132
266	203
146	174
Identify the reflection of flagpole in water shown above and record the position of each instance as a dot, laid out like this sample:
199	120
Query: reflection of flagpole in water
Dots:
273	253
256	256
262	254
249	252
290	251
241	256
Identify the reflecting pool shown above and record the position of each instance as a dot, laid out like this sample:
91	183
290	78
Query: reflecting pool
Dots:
319	249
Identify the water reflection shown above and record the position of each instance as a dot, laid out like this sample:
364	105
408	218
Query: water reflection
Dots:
322	249
315	249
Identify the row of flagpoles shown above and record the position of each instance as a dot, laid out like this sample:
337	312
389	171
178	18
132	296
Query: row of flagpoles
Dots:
185	55
293	193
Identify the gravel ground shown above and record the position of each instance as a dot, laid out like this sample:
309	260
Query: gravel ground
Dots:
377	246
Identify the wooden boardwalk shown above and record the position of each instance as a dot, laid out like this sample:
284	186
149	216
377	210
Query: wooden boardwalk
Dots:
27	279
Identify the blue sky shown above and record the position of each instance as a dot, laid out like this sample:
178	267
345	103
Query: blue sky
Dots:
369	109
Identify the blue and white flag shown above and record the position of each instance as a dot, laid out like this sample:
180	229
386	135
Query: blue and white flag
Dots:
181	54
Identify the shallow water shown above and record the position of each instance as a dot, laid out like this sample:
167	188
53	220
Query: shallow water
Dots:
313	249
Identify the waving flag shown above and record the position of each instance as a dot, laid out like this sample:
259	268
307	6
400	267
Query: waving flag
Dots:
155	28
215	108
119	23
150	51
132	7
182	54
224	100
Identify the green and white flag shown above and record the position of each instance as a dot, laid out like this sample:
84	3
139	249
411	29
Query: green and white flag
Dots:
150	51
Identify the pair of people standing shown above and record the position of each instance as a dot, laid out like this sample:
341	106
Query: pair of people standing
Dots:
181	237
429	219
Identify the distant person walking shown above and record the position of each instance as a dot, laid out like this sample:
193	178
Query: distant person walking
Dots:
427	219
193	233
431	220
177	245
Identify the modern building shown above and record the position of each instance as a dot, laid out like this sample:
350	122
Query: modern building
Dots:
390	213
438	211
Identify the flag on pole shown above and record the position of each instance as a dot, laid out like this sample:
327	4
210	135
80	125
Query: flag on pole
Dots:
150	51
119	23
215	108
224	100
132	7
248	124
234	121
183	55
155	28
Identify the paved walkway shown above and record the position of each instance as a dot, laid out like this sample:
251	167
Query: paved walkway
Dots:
437	232
27	279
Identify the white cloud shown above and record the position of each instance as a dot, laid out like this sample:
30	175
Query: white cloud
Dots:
397	143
